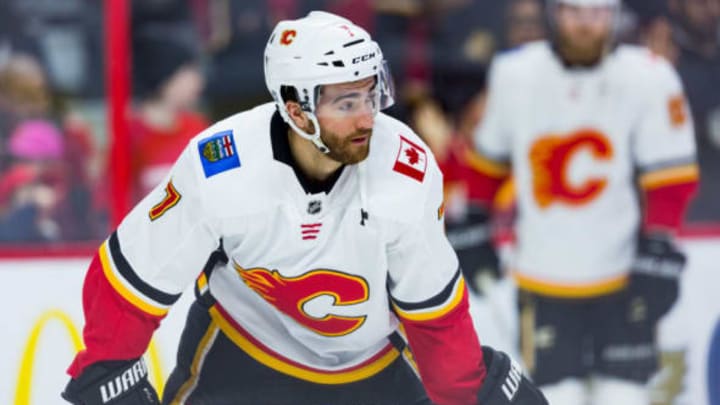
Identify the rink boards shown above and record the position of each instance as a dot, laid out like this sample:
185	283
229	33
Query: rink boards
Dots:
42	322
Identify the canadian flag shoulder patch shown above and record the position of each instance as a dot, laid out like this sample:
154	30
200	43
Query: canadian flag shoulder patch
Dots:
411	160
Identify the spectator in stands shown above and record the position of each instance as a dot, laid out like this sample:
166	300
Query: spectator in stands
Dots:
24	92
25	103
64	35
464	37
236	37
402	28
32	189
525	22
695	31
166	117
87	215
656	32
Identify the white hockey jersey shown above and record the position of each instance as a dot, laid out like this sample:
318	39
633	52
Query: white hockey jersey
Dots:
576	139
305	289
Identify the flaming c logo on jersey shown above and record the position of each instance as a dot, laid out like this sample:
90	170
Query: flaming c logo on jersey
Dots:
550	158
287	37
290	294
677	110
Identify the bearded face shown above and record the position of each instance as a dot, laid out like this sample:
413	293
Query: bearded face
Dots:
583	33
347	149
346	114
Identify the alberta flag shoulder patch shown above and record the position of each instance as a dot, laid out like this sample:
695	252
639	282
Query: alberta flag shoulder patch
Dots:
218	153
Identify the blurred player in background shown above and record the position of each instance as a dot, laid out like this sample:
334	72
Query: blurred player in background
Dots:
315	239
698	64
599	140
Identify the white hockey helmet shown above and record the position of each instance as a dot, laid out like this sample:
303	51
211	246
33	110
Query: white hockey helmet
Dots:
613	4
322	48
589	3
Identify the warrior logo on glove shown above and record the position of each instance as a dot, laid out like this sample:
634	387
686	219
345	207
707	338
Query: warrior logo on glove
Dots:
513	380
123	382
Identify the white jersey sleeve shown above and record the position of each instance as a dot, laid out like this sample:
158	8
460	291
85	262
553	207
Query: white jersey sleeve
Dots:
162	245
492	136
664	136
425	280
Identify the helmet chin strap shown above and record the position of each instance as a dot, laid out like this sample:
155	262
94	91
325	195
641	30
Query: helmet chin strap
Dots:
320	145
315	137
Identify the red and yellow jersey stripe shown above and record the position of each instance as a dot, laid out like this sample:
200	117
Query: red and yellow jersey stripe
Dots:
126	282
669	176
570	290
484	165
435	307
668	190
278	362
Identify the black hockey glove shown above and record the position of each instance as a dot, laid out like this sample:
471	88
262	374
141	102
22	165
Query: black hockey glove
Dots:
656	273
112	383
505	383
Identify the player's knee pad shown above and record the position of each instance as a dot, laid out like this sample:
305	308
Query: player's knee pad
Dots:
610	390
570	391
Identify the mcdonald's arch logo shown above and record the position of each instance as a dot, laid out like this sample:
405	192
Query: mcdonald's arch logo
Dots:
23	390
550	157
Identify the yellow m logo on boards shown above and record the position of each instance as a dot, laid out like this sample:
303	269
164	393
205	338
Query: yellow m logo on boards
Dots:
25	373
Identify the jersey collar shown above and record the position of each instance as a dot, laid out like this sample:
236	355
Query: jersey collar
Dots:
281	152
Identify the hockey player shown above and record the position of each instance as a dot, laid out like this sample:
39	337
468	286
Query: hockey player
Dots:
322	214
599	141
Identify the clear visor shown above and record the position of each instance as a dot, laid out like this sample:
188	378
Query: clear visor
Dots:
362	97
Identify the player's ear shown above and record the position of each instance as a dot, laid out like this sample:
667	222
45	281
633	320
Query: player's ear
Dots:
299	117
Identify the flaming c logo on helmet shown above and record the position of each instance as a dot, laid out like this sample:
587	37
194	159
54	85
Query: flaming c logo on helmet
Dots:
290	294
550	158
287	37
